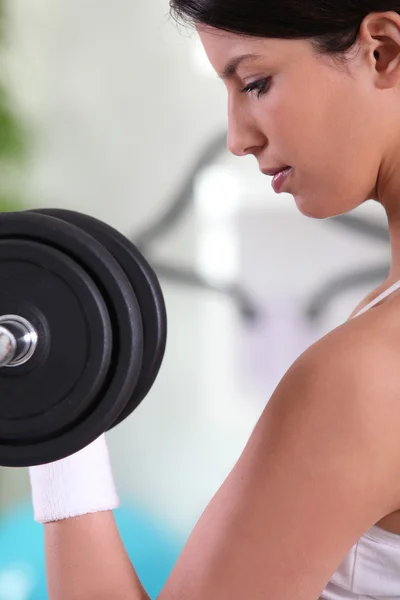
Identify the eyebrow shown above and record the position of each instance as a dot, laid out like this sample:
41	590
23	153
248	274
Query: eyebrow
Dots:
231	68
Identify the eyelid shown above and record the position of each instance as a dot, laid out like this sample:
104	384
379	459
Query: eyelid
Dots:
263	85
247	82
252	78
253	74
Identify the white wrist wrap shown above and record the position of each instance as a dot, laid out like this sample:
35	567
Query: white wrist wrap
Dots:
77	485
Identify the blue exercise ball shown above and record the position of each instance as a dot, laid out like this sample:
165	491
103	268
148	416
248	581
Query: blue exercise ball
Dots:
22	561
152	547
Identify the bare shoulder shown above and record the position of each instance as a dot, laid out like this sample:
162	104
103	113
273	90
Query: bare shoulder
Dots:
352	378
315	475
362	356
354	369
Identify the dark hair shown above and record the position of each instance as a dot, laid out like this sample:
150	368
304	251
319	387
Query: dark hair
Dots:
332	26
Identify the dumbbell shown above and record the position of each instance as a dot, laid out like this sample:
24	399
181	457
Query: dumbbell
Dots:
83	331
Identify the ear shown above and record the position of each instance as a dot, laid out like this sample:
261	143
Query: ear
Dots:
380	35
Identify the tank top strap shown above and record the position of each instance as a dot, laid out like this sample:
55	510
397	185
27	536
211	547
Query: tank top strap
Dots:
393	288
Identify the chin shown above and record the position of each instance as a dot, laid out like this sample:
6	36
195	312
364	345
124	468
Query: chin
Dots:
322	208
312	210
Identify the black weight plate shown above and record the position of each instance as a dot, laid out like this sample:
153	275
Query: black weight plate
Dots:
126	326
147	290
58	384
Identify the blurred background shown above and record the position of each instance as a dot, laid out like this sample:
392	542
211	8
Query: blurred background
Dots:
111	109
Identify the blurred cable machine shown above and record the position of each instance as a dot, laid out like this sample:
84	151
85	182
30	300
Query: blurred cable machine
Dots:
181	202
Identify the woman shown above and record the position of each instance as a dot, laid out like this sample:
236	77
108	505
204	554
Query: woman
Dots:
312	507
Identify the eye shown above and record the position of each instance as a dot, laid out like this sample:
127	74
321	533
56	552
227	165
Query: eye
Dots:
261	87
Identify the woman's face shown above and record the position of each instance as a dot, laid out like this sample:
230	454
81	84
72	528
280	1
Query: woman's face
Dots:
289	106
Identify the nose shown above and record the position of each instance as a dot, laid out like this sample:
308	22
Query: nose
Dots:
244	136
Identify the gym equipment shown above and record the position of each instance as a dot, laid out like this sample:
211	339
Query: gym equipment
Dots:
179	203
82	333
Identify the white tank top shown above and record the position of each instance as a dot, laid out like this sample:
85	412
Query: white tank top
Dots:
371	570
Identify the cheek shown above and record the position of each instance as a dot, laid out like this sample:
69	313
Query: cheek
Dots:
293	122
326	135
339	135
323	132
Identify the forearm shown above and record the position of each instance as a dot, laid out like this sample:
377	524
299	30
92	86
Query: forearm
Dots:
86	560
85	557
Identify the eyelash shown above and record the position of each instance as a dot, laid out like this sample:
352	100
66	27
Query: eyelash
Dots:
261	86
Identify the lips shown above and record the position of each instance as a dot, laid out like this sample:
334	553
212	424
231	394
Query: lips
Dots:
275	170
279	180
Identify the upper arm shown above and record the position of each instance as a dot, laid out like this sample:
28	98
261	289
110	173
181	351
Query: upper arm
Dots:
314	476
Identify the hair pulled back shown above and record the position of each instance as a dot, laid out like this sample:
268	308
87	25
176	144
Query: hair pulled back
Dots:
332	26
